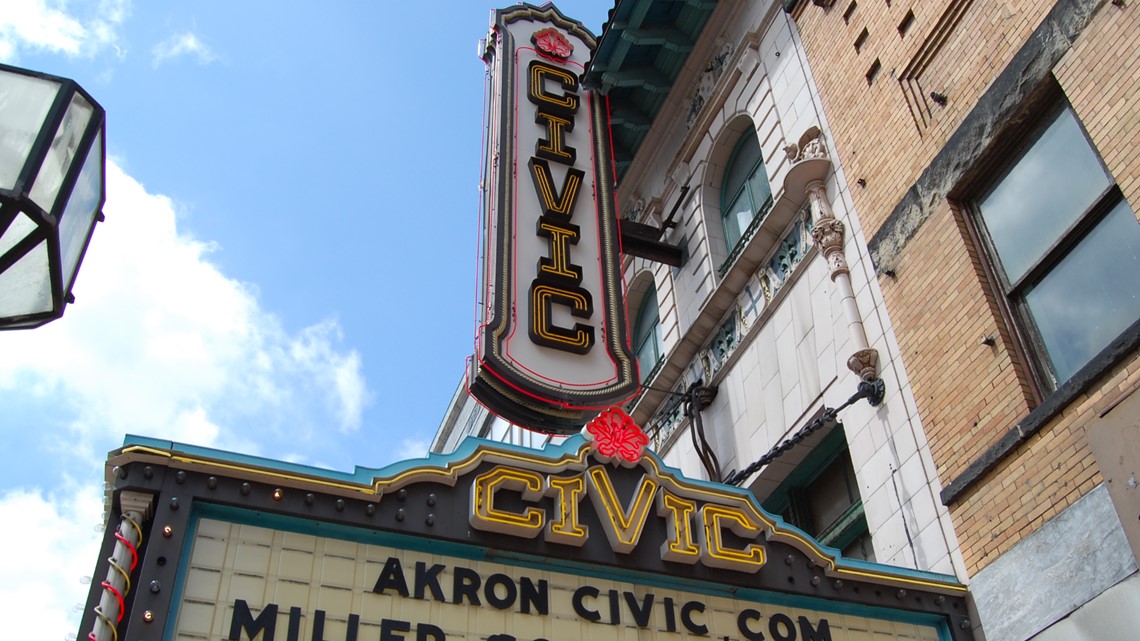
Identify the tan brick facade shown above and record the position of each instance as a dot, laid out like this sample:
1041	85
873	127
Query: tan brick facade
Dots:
969	394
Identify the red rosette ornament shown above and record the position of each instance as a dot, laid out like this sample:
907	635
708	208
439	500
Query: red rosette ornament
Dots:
616	438
551	43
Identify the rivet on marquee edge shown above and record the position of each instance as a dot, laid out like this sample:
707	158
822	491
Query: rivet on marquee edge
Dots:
340	505
212	482
310	498
246	488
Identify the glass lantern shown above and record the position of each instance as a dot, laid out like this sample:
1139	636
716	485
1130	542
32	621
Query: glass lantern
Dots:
52	188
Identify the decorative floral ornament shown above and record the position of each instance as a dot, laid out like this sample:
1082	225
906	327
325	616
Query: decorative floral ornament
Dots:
552	43
616	438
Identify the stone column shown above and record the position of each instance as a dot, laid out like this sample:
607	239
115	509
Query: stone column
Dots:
828	234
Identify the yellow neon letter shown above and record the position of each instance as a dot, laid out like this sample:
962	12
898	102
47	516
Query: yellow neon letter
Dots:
713	552
484	516
566	528
623	526
678	515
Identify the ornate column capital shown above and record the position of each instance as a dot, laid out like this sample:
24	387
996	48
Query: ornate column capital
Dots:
828	236
865	363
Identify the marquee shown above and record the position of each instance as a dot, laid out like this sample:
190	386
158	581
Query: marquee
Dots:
595	538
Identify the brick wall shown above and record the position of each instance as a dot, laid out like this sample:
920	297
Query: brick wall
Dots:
887	132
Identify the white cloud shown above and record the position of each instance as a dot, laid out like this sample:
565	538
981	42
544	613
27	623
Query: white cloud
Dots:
160	342
58	545
51	26
182	44
412	448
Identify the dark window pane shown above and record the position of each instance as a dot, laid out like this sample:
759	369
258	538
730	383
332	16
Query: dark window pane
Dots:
830	494
647	334
760	189
1056	181
860	548
744	158
737	215
1092	295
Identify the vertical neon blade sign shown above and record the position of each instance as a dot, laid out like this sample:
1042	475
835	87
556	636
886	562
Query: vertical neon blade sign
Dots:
551	348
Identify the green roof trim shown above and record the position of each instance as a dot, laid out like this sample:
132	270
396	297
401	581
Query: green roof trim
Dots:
642	49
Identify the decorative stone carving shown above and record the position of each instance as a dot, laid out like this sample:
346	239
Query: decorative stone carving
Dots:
707	82
750	304
809	147
637	212
865	363
828	234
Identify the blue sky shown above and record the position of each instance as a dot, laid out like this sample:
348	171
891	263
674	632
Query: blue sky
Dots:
288	262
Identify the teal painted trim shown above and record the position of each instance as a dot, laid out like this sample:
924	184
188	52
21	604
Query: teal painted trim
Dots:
471	446
233	457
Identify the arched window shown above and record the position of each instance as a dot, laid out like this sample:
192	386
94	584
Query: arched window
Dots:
647	334
745	193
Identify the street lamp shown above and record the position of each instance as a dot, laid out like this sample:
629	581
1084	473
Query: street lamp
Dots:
52	188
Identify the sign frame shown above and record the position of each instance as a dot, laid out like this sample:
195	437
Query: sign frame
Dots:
529	368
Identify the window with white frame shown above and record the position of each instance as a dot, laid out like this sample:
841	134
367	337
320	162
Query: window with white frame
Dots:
1064	248
745	193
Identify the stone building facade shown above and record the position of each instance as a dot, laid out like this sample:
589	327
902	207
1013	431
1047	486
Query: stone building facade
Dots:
833	174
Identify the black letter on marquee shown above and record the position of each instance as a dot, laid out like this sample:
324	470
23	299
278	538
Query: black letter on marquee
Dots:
640	614
687	617
670	615
466	584
243	620
742	623
387	626
776	621
822	633
392	576
294	624
508	584
530	595
580	608
319	626
429	579
424	630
